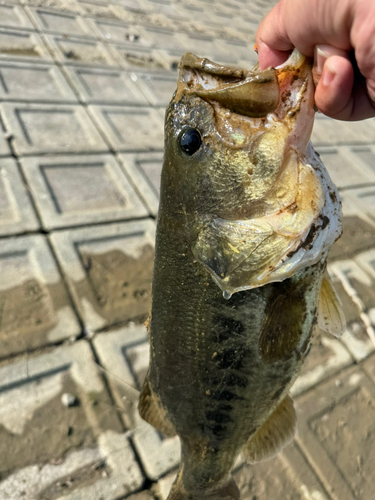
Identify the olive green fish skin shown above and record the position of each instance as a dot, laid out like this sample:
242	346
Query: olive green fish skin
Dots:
236	215
211	368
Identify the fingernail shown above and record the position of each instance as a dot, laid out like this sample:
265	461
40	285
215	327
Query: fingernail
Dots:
371	93
319	59
328	74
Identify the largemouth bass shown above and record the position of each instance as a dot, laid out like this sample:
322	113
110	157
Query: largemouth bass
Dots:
247	215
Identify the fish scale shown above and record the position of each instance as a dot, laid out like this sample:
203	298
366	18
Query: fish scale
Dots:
244	228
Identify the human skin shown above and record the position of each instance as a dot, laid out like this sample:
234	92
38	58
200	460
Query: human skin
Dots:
333	32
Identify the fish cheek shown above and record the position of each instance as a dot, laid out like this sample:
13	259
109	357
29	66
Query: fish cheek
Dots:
282	328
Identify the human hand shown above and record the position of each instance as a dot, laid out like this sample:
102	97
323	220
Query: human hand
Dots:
332	31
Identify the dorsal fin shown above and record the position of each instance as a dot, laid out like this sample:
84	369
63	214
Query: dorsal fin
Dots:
277	431
331	317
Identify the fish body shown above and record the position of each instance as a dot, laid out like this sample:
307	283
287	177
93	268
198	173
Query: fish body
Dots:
247	214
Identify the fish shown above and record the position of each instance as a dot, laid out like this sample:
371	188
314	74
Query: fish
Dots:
246	218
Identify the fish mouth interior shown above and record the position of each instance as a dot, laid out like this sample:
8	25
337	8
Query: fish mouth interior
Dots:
250	93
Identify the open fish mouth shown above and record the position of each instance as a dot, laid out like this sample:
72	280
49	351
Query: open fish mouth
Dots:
301	217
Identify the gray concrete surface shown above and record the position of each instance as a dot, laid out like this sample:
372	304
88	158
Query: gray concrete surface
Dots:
83	87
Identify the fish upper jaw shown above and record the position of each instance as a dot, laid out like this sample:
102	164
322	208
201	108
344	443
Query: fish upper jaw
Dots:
296	105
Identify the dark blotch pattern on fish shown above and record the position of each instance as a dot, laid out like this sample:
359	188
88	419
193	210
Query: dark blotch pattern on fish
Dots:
229	379
217	416
225	327
232	358
225	395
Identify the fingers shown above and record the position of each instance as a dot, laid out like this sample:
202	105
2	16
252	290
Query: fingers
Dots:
363	34
271	34
303	24
333	95
340	93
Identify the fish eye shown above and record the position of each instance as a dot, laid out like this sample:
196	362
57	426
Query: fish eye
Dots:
190	141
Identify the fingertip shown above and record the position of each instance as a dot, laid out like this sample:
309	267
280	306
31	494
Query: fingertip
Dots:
333	95
270	57
273	43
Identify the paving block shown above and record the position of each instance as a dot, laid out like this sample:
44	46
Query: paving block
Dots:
73	50
125	354
136	5
358	231
63	5
239	51
144	495
16	212
166	39
76	450
119	32
42	128
287	476
144	170
359	286
13	16
55	21
369	368
366	261
327	356
4	147
110	86
367	156
78	190
130	128
344	168
328	132
162	7
205	46
336	423
163	486
22	46
35	307
95	9
108	270
33	82
358	283
137	57
157	87
364	199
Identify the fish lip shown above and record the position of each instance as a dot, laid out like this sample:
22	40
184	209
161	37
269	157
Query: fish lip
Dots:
250	93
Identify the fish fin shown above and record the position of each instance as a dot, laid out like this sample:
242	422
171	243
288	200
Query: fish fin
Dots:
331	317
222	246
277	431
151	410
281	330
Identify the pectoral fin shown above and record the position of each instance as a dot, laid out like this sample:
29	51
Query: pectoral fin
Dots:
225	247
331	317
151	410
278	431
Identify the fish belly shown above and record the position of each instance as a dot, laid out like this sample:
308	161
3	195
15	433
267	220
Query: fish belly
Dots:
220	367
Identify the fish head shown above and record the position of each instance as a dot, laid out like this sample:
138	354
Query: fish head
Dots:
228	132
234	143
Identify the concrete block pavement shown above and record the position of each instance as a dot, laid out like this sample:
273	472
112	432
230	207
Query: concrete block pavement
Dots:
74	452
108	269
79	190
34	82
83	87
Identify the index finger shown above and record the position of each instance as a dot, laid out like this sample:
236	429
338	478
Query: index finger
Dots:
273	43
303	24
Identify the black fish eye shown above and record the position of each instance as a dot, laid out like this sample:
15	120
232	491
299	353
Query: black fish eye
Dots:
190	141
